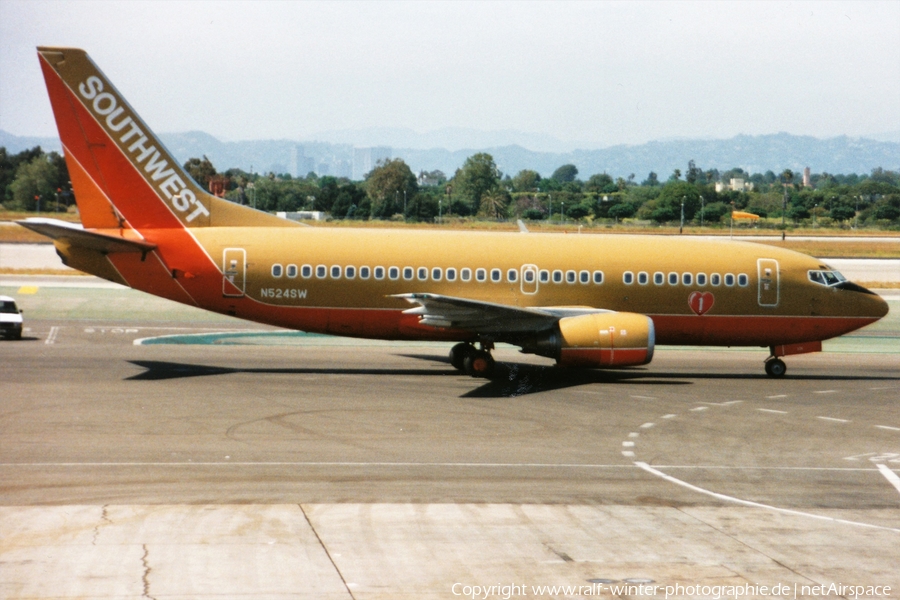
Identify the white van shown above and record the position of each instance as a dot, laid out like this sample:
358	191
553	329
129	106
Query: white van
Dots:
10	319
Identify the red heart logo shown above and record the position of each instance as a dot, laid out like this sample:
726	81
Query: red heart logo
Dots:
701	302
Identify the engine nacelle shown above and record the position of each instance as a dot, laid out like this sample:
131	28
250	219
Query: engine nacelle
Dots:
613	339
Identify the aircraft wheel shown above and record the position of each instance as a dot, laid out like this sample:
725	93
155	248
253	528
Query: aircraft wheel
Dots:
458	354
775	367
479	364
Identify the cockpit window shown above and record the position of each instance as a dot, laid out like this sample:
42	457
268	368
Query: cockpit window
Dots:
829	278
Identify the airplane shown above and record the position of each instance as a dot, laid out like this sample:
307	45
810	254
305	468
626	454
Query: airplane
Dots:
587	301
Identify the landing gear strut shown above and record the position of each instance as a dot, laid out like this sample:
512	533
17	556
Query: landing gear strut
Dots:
477	363
775	367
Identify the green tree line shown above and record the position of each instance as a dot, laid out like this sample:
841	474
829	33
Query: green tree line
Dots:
33	180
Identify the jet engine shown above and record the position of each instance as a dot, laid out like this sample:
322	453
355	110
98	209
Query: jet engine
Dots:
611	339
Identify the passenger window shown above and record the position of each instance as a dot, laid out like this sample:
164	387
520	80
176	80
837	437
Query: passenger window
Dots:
379	273
643	278
321	271
743	280
422	273
529	276
350	272
598	277
292	271
659	278
306	271
701	278
335	272
571	277
687	278
544	276
393	273
557	276
729	279
496	275
673	278
512	275
715	279
436	274
480	274
465	274
584	277
407	273
364	272
628	278
277	271
451	274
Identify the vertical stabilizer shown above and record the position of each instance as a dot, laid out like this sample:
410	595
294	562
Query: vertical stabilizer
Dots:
121	170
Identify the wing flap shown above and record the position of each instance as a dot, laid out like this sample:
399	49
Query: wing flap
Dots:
435	310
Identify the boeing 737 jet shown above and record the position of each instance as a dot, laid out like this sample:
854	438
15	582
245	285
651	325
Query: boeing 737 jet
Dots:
588	301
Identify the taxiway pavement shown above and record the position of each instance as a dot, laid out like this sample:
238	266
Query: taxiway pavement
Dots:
325	468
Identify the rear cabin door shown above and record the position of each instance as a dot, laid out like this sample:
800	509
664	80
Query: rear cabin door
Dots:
769	286
234	272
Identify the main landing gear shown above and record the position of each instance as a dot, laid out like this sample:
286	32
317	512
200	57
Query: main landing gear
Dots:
477	363
775	367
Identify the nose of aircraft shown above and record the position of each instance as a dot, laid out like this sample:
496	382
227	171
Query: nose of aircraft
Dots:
869	303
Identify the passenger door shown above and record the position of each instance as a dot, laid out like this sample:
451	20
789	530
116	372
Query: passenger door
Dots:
767	273
234	272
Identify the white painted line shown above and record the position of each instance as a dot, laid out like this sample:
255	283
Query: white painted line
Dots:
669	416
833	419
644	397
889	475
778	396
699	408
788	511
729	403
628	453
772	410
888	427
628	444
826	392
647	425
634	434
51	337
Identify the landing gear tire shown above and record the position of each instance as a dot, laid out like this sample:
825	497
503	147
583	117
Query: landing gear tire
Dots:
775	367
458	354
479	364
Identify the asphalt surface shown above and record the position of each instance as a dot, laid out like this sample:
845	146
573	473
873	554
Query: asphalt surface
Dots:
267	466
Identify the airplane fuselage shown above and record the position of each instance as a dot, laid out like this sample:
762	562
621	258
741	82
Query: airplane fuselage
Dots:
341	281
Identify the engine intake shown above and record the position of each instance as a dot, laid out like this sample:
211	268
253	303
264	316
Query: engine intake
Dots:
613	339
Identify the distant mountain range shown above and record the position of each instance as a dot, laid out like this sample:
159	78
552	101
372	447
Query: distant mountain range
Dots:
353	153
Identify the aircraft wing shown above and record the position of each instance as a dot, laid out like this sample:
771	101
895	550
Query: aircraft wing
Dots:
82	238
436	310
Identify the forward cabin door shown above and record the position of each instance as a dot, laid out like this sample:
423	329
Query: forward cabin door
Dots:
234	272
769	286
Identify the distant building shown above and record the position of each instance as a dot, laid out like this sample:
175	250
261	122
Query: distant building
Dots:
429	179
737	184
303	215
301	164
365	159
807	181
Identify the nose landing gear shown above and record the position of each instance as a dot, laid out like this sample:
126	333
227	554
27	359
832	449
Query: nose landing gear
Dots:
775	367
474	362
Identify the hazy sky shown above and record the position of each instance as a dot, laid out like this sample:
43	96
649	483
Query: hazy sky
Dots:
596	73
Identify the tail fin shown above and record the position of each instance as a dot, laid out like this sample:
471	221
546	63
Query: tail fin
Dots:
122	175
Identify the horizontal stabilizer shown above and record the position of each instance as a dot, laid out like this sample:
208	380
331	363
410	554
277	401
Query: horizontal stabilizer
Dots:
81	238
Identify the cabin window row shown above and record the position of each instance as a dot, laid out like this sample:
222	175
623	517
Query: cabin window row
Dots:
436	274
688	279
